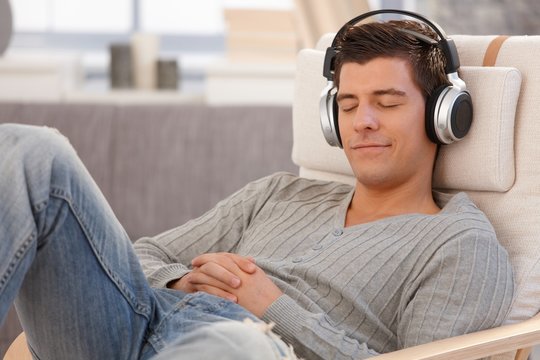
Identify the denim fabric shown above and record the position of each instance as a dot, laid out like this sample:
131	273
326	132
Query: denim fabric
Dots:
244	341
66	261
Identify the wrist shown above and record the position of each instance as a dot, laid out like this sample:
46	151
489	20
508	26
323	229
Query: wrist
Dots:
271	298
167	273
171	284
176	283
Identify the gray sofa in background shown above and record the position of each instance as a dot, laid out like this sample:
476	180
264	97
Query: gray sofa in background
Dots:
161	165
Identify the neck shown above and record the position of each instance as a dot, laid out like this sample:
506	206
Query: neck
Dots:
370	204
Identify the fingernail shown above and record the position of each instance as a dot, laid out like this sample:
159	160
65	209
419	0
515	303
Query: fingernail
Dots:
235	282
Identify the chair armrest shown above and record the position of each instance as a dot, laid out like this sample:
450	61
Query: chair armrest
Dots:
475	345
465	347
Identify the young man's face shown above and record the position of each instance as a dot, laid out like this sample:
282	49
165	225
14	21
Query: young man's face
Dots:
381	122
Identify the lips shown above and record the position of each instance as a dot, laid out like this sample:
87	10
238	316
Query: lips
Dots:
369	146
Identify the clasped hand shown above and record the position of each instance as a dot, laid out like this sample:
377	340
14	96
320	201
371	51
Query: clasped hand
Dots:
232	277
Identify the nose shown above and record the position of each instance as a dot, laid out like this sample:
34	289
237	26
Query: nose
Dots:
365	118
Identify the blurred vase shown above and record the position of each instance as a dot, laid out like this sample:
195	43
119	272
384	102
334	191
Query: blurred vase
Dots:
121	66
145	48
6	25
167	74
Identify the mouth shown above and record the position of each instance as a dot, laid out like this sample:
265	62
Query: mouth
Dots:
369	150
369	146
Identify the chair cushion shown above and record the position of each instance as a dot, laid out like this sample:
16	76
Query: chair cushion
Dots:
307	135
495	92
491	138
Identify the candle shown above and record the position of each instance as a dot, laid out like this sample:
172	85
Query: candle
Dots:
145	48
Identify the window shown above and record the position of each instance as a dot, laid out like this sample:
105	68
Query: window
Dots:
192	31
73	16
201	17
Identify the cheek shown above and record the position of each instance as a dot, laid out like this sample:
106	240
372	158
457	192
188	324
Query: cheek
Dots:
412	132
417	142
417	123
345	128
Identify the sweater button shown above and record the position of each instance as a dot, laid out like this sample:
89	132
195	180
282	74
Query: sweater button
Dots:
297	260
317	247
337	232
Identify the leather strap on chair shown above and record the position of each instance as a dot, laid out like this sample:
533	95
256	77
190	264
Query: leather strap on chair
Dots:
493	50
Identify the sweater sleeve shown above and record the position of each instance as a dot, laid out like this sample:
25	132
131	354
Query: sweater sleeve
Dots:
168	256
466	286
312	335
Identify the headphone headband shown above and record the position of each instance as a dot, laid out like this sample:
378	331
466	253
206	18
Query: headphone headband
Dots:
446	44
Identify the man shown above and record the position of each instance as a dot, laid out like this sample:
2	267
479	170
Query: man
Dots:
343	272
346	272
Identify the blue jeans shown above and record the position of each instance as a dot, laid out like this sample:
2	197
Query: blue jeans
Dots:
77	284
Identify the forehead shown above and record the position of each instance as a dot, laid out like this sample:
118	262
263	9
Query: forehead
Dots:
376	74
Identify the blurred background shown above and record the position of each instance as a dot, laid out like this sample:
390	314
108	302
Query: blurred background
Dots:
67	60
197	51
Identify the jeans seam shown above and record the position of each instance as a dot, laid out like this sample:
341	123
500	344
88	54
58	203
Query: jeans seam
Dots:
23	249
138	308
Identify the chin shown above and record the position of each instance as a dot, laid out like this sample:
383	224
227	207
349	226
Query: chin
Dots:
373	180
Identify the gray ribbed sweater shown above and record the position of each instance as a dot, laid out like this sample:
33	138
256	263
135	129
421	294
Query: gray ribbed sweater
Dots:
350	292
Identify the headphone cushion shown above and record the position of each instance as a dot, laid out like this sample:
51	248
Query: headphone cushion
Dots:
431	116
335	111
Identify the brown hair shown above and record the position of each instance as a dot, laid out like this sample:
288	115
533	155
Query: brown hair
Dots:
362	43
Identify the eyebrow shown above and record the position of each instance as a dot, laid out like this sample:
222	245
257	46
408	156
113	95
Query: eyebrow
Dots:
382	92
391	91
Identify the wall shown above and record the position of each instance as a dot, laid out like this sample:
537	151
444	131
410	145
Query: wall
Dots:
484	17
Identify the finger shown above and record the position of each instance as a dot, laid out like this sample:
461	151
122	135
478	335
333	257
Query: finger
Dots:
221	273
206	258
206	275
201	278
216	292
246	264
227	260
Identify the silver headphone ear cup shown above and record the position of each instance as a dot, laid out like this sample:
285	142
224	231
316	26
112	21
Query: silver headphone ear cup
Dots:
328	116
335	119
452	115
461	116
432	111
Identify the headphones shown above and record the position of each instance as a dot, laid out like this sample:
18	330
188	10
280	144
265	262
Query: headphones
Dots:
449	110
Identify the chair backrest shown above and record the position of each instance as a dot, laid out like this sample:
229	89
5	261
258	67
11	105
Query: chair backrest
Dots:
497	164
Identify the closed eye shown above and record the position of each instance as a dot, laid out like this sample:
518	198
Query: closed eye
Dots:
388	106
347	106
